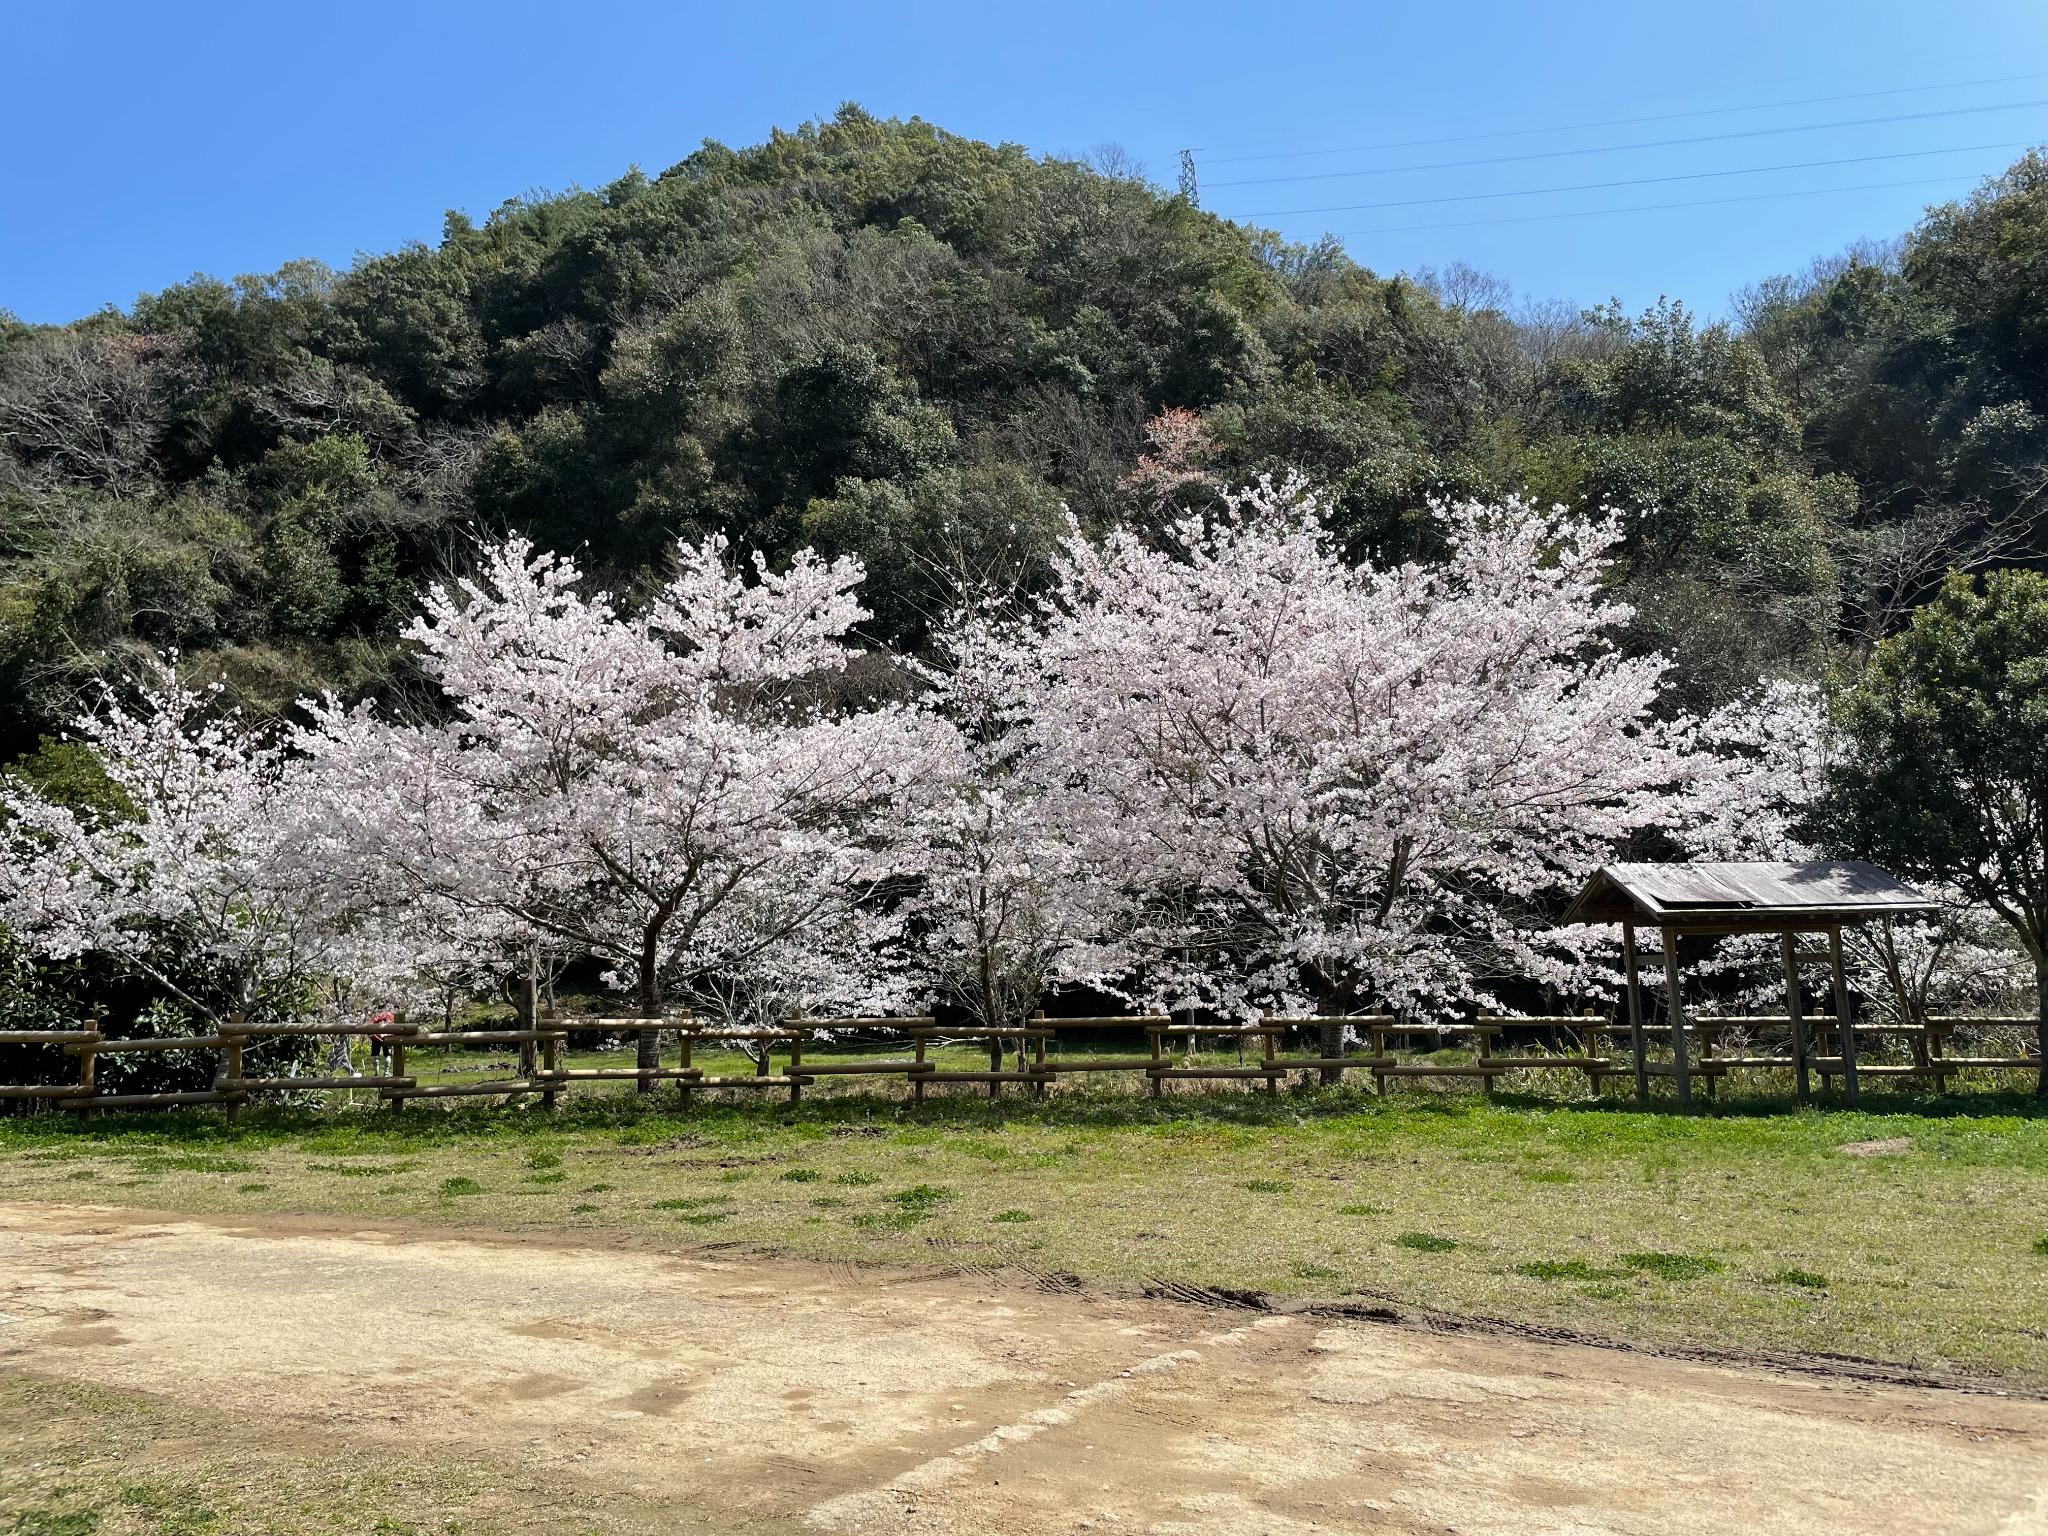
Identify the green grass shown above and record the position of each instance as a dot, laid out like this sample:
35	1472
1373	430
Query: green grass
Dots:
1564	1269
1672	1229
1671	1266
1805	1279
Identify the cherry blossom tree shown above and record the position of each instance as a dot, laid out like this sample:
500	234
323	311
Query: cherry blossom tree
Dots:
1008	903
665	790
1172	468
1332	783
197	883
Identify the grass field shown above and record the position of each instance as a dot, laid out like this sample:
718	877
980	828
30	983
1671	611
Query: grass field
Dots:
1745	1228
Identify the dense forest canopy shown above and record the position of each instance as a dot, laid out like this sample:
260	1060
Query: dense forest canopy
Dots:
878	338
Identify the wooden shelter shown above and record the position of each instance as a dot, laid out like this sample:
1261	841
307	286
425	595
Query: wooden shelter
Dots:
1820	897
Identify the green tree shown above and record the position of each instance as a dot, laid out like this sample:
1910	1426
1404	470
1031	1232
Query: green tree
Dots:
1943	772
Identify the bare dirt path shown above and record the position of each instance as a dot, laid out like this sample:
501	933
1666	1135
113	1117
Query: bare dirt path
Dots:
751	1395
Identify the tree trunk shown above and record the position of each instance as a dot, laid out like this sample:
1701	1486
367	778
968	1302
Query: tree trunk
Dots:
522	1012
648	1041
1330	1042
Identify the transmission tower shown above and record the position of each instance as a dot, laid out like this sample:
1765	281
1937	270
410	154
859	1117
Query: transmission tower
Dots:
1188	187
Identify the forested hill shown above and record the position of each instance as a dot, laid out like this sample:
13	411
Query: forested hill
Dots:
875	336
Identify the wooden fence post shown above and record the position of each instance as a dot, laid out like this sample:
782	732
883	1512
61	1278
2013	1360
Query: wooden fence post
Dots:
232	1066
1038	1052
550	1063
683	1094
398	1056
88	1061
1267	1054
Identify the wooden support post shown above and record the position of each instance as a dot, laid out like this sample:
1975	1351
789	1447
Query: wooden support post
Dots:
796	1059
995	1064
398	1054
683	1094
1269	1040
917	1078
1038	1053
231	1067
87	1066
1379	1049
1845	1012
1795	1008
1675	1000
1635	1011
1157	1039
550	1062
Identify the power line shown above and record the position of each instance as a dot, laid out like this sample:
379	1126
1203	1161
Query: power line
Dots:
1623	122
1705	202
1609	149
1636	181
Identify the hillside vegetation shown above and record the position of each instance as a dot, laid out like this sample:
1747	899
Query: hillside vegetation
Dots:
879	338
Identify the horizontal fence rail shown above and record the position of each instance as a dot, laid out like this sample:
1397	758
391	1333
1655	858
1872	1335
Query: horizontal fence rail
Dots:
1389	1050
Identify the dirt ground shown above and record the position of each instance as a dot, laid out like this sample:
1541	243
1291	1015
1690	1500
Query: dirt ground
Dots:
710	1393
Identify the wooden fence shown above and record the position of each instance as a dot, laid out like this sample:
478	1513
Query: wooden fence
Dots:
1381	1046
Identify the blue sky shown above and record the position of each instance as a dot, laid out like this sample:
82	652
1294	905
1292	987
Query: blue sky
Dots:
148	141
